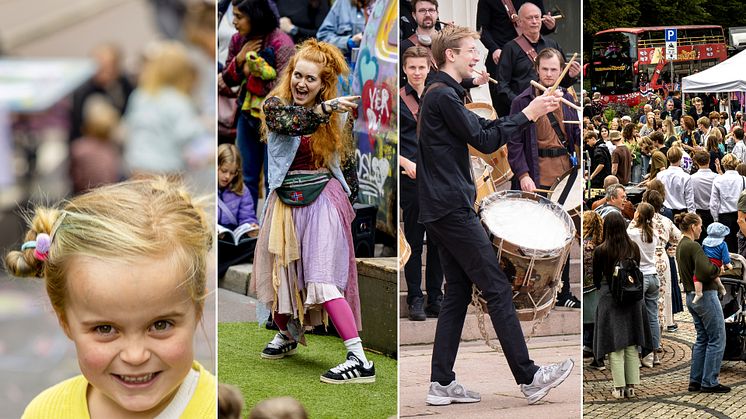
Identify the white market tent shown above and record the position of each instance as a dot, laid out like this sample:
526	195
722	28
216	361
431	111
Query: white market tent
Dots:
728	76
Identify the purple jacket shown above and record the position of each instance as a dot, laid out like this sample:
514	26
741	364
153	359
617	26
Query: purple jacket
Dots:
523	151
241	206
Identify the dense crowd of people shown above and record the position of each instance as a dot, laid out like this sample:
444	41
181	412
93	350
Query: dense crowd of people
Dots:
685	173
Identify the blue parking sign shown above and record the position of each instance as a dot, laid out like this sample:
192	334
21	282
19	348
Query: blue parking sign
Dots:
670	34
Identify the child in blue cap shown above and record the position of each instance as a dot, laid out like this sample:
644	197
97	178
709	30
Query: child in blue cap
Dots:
717	250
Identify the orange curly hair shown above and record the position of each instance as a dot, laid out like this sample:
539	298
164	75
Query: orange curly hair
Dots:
328	139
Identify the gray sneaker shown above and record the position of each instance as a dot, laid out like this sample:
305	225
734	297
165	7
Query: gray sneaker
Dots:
452	393
545	379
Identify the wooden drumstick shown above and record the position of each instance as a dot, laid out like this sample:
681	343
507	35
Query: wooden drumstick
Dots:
571	122
543	190
563	100
482	73
562	75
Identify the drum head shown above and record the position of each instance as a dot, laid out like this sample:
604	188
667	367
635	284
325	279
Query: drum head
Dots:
484	110
533	224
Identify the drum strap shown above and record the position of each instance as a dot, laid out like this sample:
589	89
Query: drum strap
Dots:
566	191
526	47
558	130
512	15
410	102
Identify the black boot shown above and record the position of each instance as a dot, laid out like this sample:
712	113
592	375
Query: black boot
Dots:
433	307
416	310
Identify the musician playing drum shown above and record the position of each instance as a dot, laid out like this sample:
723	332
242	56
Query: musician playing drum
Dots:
446	192
546	150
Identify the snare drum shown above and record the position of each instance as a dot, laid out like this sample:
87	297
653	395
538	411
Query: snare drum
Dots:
502	172
572	194
481	171
532	238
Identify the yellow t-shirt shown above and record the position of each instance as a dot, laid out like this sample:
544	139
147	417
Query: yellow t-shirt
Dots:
67	400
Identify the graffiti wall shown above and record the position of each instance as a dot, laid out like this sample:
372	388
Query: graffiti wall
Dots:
375	76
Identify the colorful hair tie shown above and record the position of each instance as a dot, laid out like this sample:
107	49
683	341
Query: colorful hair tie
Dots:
43	243
41	246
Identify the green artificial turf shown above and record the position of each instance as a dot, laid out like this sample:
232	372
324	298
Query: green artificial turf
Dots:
297	376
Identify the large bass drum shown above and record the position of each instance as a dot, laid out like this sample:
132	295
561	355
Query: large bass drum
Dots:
532	238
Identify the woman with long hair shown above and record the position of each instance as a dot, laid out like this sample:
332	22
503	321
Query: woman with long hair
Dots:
689	136
670	134
642	233
619	328
258	52
304	265
707	352
668	237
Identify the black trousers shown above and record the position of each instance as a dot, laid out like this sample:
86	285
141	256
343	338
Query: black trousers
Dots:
729	219
414	232
706	221
468	258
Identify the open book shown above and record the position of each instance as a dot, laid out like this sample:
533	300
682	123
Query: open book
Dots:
242	232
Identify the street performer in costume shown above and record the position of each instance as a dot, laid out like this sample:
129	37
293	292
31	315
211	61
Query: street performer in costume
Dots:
546	150
447	193
304	265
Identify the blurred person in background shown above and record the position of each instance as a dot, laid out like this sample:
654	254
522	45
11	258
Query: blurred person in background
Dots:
259	39
109	82
344	24
301	19
161	119
96	158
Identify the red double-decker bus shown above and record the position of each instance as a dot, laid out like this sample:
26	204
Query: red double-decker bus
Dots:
629	62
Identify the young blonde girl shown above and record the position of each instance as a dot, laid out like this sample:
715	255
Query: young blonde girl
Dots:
125	271
236	212
164	129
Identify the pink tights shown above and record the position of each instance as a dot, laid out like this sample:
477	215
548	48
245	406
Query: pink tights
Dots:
339	311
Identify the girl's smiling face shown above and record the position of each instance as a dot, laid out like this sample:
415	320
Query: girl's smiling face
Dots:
133	326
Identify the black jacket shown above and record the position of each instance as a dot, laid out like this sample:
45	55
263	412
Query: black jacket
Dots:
495	25
515	72
408	127
444	179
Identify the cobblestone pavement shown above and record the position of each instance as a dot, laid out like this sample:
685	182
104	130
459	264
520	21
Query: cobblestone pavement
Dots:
662	392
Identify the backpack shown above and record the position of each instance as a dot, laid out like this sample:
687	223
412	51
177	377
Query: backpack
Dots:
626	282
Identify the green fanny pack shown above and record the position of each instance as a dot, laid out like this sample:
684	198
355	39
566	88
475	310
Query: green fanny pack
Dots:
302	189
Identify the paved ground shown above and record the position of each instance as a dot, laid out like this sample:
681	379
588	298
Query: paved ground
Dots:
483	370
663	390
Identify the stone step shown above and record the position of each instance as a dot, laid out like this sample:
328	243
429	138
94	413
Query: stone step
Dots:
237	279
560	321
575	289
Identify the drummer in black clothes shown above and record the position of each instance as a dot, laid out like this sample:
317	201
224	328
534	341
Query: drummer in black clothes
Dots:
415	63
515	70
497	22
544	152
447	194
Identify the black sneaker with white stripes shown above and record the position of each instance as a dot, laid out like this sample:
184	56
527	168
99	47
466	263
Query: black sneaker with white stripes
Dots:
280	347
567	301
351	371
